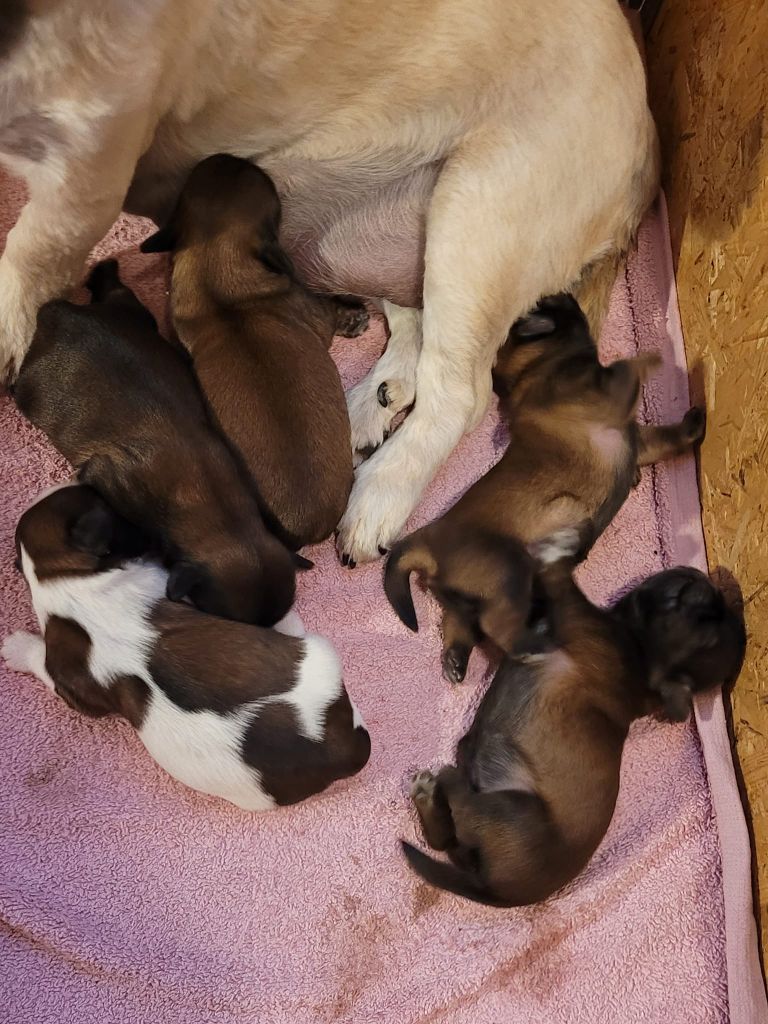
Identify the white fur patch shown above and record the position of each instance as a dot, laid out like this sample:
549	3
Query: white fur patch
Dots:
561	544
290	625
203	750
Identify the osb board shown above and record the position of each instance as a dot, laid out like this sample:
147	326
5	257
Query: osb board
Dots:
708	69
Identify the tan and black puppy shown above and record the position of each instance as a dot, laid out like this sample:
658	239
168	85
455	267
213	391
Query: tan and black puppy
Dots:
574	453
259	341
122	404
536	777
260	717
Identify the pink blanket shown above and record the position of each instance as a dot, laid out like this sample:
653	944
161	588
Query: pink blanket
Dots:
125	897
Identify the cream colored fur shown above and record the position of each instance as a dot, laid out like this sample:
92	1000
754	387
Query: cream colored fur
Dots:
500	145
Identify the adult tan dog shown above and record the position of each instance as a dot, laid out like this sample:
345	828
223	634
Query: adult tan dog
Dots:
473	154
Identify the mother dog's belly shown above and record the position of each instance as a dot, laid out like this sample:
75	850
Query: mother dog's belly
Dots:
346	236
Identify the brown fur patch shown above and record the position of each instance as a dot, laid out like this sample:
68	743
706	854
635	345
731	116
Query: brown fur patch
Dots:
293	767
68	648
206	663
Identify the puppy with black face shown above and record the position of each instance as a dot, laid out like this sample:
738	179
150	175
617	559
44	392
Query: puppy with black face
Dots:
536	778
259	342
575	450
259	717
122	404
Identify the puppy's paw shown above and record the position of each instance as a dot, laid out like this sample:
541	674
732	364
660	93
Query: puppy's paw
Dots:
559	545
454	662
694	424
423	787
351	321
21	651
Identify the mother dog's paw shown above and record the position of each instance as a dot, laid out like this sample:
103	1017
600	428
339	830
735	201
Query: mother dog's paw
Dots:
380	502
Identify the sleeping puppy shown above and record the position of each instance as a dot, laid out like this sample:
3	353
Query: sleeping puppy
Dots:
123	406
259	341
240	712
574	453
537	775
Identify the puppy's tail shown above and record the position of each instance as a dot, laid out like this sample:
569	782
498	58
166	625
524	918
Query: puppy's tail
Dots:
103	279
447	876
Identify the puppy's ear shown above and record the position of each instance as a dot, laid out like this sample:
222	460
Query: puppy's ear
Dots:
411	555
182	578
92	532
676	696
163	240
275	259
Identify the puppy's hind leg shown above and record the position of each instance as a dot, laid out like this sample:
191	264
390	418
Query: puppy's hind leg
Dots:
433	810
657	443
458	642
390	386
25	652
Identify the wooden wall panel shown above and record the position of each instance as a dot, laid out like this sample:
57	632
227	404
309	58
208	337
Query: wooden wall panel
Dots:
708	69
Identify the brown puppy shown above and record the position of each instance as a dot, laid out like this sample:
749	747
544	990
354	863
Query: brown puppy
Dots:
537	775
123	406
259	341
573	455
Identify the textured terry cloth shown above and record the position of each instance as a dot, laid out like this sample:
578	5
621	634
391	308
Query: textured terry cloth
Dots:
126	897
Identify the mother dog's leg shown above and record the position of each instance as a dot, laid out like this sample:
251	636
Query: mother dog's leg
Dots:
482	269
75	194
391	385
513	216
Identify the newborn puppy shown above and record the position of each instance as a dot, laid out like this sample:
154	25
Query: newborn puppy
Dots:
574	453
240	712
259	341
123	406
537	775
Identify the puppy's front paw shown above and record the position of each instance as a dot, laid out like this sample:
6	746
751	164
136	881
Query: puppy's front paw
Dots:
21	650
455	661
423	787
351	321
695	424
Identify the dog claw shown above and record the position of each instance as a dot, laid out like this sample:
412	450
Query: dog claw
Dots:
455	665
383	551
423	786
382	394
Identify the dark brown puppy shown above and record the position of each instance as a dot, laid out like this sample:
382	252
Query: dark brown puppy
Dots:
537	775
574	453
123	406
259	341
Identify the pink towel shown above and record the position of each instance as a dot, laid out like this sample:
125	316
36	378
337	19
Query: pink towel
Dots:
125	897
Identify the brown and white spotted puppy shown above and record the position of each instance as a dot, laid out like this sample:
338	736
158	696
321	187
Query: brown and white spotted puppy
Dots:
536	777
259	341
122	404
252	715
574	452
